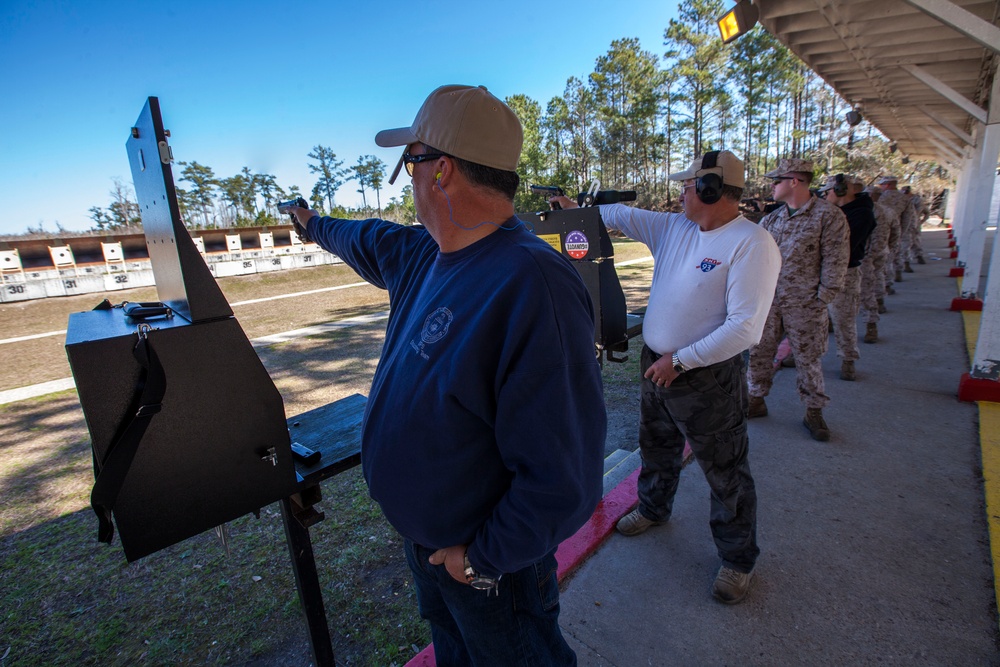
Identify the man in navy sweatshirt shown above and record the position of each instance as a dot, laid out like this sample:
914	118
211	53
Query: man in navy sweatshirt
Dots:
484	431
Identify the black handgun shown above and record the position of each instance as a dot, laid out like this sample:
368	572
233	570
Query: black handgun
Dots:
548	191
285	206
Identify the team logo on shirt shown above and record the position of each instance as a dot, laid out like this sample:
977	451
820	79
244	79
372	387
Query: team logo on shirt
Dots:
435	328
577	244
708	264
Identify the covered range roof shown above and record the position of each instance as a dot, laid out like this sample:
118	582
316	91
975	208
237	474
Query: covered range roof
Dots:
922	82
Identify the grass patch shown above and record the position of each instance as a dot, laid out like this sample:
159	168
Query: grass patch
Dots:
68	600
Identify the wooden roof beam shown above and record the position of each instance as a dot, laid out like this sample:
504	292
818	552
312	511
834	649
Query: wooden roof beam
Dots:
962	20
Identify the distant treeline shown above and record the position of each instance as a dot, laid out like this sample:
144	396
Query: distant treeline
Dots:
636	118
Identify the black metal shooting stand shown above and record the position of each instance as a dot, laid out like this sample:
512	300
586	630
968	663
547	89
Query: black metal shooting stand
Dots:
580	235
188	430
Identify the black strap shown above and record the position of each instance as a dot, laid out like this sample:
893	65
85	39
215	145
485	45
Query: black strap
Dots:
146	402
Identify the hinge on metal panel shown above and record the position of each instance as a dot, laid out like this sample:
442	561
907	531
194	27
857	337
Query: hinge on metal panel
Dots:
166	152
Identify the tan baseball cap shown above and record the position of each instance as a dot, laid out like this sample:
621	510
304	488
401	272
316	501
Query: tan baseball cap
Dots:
727	165
789	166
467	122
887	179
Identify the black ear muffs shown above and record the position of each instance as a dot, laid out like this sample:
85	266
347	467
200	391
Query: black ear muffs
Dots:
840	185
708	187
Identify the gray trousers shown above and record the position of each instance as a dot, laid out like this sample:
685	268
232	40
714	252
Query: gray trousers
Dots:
708	408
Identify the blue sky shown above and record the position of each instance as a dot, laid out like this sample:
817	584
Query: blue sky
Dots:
259	84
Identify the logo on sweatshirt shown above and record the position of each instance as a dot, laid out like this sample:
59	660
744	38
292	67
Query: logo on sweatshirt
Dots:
708	264
577	244
435	328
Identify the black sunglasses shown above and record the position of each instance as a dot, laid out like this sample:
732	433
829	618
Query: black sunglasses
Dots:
778	179
410	160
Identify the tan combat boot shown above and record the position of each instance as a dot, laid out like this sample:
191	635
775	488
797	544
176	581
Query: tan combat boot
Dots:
871	333
847	370
757	407
881	306
899	276
906	267
817	427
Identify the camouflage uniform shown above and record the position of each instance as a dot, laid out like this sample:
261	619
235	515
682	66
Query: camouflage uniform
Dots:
843	310
814	245
900	203
873	269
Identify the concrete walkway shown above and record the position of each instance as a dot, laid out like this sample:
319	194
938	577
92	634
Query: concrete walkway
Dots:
875	548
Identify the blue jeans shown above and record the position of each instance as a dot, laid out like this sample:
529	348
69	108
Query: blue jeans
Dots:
516	624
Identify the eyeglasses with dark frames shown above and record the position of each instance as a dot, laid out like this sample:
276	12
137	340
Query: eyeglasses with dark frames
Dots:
779	179
410	160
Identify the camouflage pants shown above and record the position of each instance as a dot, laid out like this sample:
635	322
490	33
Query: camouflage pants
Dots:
911	243
844	315
707	407
901	252
806	328
872	285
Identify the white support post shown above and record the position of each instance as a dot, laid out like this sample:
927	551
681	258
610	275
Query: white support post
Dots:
986	363
963	189
963	195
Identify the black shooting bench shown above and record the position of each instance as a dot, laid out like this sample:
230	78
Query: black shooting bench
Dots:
188	431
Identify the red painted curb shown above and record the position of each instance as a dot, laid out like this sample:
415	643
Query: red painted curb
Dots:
956	272
951	243
959	303
954	254
974	389
619	502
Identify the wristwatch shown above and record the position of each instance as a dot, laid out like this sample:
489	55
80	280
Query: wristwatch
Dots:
678	366
478	581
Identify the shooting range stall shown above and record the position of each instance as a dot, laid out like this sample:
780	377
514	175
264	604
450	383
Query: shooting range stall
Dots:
188	430
580	235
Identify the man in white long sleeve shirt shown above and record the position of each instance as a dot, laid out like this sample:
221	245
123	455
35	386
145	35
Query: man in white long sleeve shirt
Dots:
713	282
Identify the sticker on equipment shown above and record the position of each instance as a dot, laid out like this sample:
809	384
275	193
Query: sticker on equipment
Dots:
577	245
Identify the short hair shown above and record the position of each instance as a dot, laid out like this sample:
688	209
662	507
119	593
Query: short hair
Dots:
498	180
732	193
